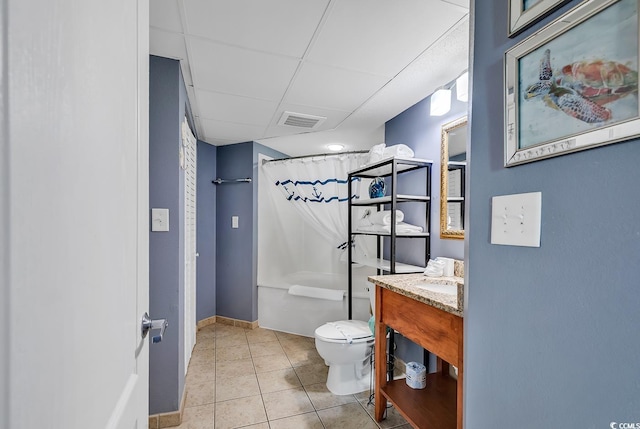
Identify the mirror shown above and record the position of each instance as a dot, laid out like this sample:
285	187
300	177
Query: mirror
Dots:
453	169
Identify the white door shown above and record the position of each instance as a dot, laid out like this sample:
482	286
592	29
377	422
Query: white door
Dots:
75	106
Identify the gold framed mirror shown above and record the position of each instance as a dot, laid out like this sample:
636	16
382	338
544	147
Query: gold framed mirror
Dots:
453	169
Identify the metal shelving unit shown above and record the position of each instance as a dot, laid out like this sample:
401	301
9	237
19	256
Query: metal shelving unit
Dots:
390	168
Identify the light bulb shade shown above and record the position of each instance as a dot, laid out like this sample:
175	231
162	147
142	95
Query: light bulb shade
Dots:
440	102
462	87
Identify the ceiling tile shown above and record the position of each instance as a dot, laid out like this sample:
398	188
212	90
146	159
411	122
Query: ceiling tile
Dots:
276	26
332	88
381	39
237	133
166	44
165	14
239	71
232	108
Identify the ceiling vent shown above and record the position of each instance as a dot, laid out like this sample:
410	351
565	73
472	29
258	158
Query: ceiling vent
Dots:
301	120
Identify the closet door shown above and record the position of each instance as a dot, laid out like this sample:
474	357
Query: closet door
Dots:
189	146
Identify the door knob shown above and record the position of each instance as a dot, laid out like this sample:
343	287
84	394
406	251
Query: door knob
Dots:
148	325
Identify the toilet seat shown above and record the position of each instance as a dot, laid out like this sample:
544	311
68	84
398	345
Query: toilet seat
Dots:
344	331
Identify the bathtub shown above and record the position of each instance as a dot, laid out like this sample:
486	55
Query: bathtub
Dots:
301	315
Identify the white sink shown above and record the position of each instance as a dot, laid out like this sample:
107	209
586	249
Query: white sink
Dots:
439	288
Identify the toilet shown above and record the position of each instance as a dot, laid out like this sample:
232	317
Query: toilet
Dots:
346	347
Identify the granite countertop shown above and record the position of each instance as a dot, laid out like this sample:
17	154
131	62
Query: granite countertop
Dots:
404	284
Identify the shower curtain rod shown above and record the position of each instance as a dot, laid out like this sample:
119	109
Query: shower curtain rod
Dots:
220	181
264	161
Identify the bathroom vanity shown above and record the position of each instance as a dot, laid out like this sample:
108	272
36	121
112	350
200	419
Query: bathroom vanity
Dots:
428	311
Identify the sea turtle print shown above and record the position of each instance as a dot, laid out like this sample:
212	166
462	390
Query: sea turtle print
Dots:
570	94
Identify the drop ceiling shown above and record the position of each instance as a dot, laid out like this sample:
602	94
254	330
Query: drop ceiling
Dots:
354	63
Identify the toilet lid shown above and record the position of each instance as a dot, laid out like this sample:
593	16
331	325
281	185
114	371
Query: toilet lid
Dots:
344	330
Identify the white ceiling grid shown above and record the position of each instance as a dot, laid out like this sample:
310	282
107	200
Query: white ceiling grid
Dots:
245	62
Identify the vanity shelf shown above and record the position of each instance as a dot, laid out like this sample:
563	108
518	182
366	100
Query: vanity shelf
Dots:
432	407
385	265
387	200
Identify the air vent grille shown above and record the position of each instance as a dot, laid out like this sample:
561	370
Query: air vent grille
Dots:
301	120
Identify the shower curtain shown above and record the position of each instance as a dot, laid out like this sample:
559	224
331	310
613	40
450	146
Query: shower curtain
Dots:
318	190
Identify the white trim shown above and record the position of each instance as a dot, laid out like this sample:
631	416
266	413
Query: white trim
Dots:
189	147
5	230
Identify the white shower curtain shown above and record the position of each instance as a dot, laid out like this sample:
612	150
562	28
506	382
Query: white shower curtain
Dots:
317	188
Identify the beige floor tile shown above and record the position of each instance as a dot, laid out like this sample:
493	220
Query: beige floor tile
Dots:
286	403
231	341
237	387
226	330
304	357
224	354
234	368
204	344
206	332
200	394
393	418
261	335
312	374
350	416
266	349
198	417
298	344
270	363
239	412
303	421
200	373
287	336
363	397
203	357
274	381
322	398
258	426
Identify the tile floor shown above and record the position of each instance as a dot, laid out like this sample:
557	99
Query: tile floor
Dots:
263	379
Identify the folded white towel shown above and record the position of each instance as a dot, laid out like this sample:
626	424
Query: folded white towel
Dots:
401	150
317	292
383	217
401	228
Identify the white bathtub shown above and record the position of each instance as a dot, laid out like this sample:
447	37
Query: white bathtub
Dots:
279	310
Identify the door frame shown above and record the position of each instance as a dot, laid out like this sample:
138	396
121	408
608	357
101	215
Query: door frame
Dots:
4	221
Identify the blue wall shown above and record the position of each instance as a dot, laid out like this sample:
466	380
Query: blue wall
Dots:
551	333
206	231
234	254
236	259
167	107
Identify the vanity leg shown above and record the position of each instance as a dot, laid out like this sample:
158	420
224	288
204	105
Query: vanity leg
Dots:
442	367
380	401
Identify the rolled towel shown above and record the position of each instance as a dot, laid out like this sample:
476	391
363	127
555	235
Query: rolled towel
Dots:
383	217
401	150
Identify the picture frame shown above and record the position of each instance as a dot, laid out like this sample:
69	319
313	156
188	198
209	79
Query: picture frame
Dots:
524	13
573	85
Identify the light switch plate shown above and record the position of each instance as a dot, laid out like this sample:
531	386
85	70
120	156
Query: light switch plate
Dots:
160	220
234	222
516	219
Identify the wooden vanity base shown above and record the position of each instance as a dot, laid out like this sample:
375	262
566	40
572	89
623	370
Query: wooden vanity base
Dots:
439	405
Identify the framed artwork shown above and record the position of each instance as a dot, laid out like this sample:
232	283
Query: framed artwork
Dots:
523	13
573	85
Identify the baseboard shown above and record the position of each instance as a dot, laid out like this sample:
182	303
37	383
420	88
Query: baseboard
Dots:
236	322
206	322
166	420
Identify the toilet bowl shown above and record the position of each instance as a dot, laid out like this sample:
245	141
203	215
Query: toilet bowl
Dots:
346	347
